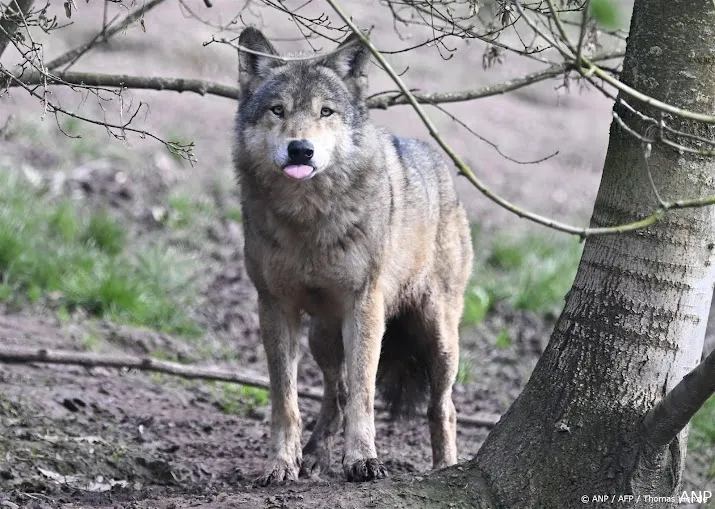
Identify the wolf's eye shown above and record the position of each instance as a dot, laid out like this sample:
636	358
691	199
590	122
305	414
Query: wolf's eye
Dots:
326	112
277	110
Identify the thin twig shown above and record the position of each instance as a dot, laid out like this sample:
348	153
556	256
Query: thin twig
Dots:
646	159
582	31
588	69
118	131
538	31
24	355
491	143
275	56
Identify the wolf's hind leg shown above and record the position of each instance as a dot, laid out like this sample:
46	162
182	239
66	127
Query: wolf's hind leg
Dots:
441	317
280	332
327	348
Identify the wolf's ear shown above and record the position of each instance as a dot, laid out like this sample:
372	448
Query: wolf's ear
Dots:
350	59
251	66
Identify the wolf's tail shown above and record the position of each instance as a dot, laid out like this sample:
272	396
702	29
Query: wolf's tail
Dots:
402	376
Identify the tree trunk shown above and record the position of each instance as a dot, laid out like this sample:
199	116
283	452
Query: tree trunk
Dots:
634	321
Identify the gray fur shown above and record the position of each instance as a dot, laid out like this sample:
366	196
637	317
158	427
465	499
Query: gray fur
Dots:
374	245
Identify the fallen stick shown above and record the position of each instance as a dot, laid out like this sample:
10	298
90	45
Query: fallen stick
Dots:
23	355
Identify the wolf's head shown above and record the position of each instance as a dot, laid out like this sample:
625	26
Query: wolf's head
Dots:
298	118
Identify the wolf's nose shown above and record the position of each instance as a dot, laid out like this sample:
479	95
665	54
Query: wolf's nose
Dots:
300	151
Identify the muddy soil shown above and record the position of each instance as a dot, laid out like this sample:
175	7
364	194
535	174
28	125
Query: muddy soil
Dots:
88	436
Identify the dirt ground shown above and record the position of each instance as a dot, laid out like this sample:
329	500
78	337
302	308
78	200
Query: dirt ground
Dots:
76	437
70	433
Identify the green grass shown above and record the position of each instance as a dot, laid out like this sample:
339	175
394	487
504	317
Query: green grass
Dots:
239	399
105	234
234	214
54	253
92	341
531	273
503	340
185	211
465	370
702	435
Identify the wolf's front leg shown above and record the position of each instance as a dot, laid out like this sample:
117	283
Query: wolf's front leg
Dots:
280	331
363	328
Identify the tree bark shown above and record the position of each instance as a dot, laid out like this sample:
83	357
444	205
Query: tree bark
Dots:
634	322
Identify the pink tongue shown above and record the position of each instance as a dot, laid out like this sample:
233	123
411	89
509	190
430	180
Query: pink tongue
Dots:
298	171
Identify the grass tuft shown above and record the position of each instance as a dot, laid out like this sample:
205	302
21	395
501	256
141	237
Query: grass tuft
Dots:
49	248
105	233
465	370
531	273
239	399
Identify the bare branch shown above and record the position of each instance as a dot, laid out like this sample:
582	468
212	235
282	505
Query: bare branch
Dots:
94	80
467	172
385	102
670	416
14	14
274	56
582	31
202	87
491	143
588	69
106	34
21	355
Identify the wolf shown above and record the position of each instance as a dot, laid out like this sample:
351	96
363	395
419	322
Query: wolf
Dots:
364	232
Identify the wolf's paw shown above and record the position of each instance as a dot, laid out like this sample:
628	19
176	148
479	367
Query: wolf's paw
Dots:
315	461
365	470
278	471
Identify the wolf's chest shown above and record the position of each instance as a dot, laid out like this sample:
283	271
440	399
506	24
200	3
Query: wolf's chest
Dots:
312	274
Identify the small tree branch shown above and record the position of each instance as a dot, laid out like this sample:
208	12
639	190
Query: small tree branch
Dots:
386	101
98	80
104	35
668	418
22	355
560	26
14	13
202	87
588	69
582	31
